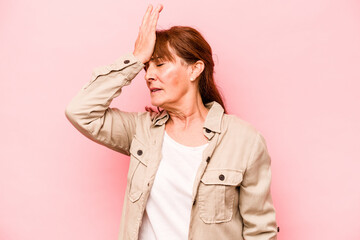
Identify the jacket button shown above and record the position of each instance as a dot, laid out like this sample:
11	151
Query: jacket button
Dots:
221	177
208	159
126	61
139	152
208	130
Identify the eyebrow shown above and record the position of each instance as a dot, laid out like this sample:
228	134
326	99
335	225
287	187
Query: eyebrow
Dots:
154	59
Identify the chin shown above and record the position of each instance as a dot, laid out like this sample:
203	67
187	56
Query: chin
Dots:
155	103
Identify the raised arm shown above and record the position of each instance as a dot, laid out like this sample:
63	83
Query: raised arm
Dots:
89	110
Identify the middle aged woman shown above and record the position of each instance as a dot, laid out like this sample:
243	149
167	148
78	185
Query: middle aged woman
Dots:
195	171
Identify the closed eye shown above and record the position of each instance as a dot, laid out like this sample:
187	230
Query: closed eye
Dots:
159	65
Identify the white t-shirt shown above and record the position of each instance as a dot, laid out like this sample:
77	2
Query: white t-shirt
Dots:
167	212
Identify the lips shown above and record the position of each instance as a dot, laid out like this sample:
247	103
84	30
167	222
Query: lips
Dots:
155	89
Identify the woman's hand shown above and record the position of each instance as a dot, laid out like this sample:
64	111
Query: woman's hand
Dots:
145	42
150	109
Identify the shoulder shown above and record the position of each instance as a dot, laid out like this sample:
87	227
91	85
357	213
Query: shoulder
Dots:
148	118
242	130
145	116
238	125
239	128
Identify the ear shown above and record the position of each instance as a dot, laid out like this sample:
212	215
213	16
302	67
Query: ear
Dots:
196	70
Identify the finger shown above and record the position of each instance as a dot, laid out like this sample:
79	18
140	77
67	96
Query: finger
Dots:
160	7
147	18
149	109
147	14
155	16
156	11
154	22
151	18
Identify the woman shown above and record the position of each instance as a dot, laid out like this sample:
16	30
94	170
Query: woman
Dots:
195	172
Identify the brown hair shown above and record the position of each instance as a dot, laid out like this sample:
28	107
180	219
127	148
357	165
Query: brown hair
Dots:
190	46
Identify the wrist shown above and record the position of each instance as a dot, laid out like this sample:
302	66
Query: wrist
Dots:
139	57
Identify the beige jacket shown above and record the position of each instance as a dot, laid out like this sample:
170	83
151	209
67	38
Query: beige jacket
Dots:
231	192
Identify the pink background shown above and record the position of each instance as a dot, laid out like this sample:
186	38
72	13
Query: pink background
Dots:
291	68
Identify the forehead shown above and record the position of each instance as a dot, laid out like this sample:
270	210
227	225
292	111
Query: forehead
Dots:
165	52
157	59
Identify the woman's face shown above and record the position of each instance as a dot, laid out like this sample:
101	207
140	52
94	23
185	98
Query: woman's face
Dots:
171	78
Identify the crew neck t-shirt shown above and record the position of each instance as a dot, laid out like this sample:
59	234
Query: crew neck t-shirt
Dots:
168	209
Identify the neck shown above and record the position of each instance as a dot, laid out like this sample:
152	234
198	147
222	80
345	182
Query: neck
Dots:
187	113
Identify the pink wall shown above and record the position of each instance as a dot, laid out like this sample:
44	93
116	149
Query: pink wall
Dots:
291	68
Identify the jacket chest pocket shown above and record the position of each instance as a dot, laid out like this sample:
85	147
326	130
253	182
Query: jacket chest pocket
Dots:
137	169
217	192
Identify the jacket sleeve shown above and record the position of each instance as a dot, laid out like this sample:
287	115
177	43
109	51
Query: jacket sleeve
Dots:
89	110
255	202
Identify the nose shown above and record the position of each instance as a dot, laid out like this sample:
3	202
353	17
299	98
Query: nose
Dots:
150	74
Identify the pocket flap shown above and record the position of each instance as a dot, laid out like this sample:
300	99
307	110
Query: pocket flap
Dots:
134	196
139	150
222	176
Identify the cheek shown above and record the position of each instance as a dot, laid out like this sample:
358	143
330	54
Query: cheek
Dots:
175	80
